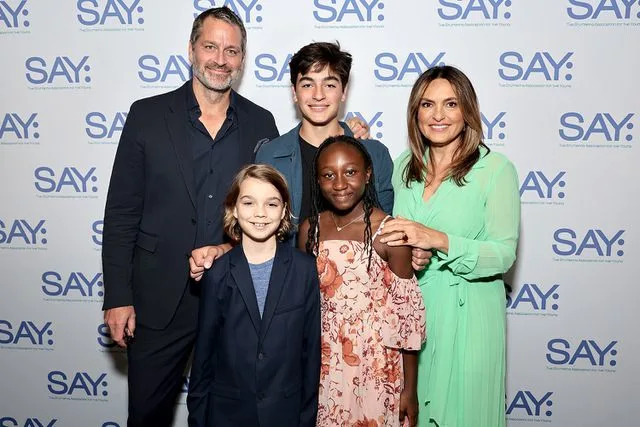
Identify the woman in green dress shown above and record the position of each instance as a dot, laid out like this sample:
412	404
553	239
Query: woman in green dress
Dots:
459	200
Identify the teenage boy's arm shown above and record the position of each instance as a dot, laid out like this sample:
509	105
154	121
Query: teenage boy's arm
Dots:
311	351
202	370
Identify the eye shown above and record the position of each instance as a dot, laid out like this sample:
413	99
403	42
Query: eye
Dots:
209	46
351	172
452	104
305	85
247	203
232	52
425	104
331	85
274	205
328	175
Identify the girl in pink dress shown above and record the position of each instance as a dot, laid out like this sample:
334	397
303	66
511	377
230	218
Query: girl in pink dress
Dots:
373	320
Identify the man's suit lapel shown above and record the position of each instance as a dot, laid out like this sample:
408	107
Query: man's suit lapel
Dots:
177	122
242	276
276	284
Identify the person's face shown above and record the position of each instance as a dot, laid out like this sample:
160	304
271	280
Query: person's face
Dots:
342	176
439	116
259	210
216	56
319	95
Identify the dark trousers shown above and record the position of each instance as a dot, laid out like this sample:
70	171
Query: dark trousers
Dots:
157	360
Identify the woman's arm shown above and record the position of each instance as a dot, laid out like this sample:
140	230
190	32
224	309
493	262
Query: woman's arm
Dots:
409	394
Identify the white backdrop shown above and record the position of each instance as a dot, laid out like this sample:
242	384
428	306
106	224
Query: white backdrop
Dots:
557	81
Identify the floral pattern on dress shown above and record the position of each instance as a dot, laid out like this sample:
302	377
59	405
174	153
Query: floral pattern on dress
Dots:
367	318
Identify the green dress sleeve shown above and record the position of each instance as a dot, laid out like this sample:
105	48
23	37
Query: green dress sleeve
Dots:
494	251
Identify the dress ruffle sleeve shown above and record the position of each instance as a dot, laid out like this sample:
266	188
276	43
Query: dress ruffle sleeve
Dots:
402	312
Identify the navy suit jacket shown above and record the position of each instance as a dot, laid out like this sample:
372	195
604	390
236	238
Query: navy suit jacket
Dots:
252	371
150	218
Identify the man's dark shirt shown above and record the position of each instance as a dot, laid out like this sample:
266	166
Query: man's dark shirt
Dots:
307	154
212	169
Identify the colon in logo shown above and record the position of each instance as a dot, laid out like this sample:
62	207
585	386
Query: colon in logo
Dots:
534	299
586	353
372	119
68	180
595	243
606	128
22	232
19	128
14	15
74	286
111	13
61	70
530	405
26	334
540	187
249	11
78	385
539	67
484	10
390	67
494	128
348	11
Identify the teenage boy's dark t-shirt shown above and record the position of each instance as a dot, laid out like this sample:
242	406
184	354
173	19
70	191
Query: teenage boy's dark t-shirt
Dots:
307	154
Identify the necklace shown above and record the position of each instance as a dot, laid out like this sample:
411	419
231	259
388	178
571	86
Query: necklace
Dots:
347	224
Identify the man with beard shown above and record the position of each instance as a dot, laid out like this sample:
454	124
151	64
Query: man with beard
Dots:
176	158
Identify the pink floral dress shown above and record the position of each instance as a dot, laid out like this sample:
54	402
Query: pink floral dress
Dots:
367	317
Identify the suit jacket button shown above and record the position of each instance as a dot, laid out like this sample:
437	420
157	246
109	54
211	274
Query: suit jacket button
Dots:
260	356
193	220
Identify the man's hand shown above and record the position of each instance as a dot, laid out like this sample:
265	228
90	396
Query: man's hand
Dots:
420	258
359	127
202	259
121	322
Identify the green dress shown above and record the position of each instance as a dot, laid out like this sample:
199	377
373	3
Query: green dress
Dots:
461	368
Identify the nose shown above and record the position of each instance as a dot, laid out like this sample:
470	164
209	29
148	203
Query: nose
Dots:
318	93
340	183
219	57
438	112
260	211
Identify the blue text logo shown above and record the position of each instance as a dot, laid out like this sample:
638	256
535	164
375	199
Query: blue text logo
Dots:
586	353
101	127
68	180
75	285
348	11
16	128
109	12
105	341
247	10
474	9
60	70
594	243
79	385
14	14
526	403
26	334
173	69
599	128
543	187
610	10
270	68
534	299
96	228
372	119
541	66
27	422
21	231
390	67
494	127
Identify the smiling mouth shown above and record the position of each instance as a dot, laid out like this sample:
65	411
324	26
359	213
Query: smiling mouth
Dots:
318	107
439	127
260	225
342	196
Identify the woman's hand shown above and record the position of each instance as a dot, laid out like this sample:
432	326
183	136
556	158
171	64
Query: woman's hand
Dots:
408	408
400	231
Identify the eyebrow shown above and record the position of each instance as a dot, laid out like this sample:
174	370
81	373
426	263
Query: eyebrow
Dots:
452	98
246	196
324	79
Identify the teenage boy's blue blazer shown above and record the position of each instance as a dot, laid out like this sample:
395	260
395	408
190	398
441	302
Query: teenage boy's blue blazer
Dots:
252	371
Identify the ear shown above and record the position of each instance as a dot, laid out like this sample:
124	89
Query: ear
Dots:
344	93
293	93
368	174
190	52
235	212
284	211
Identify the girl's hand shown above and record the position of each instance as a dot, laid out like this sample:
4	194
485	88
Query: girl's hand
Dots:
400	231
408	408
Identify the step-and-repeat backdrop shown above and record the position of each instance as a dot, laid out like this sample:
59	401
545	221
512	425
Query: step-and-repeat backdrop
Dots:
558	87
